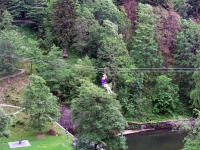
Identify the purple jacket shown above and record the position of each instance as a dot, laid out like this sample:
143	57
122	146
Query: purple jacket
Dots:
103	81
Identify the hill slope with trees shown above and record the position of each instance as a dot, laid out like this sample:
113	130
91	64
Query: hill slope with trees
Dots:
147	48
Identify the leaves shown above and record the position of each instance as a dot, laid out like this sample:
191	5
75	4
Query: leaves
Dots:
98	118
39	103
144	48
5	122
165	95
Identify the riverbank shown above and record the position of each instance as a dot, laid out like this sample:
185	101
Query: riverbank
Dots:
134	127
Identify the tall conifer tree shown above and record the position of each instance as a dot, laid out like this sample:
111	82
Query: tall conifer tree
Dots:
63	18
144	49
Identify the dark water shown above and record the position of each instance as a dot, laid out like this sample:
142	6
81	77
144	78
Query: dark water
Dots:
156	140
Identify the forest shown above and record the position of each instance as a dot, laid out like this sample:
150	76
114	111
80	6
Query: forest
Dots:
149	49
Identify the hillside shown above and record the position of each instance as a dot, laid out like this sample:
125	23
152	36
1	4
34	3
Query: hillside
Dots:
11	92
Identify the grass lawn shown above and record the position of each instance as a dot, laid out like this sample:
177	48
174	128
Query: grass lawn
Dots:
38	141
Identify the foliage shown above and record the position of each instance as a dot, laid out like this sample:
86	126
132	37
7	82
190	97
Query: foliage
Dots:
6	23
98	119
130	87
36	12
187	45
46	35
3	7
163	3
112	52
7	51
39	103
183	7
193	137
118	2
68	84
63	19
32	52
165	95
105	10
28	9
194	94
166	30
144	47
5	123
84	69
17	7
125	27
49	66
195	8
83	29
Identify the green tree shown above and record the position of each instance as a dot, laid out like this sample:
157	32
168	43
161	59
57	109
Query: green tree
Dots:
106	10
144	47
187	45
36	12
29	9
7	51
68	80
195	94
98	119
6	23
18	7
165	95
3	7
5	122
83	29
195	8
183	7
63	18
46	33
49	68
112	52
39	103
31	50
84	69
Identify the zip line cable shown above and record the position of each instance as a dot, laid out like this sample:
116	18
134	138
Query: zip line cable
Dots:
64	64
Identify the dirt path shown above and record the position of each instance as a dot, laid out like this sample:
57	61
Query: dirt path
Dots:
14	75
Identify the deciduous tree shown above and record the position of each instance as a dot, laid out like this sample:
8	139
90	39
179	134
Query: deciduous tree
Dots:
39	103
165	95
7	51
98	119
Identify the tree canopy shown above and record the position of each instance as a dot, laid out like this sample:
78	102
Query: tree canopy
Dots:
98	119
39	103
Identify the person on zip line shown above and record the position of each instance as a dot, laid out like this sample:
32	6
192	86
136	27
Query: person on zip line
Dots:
105	84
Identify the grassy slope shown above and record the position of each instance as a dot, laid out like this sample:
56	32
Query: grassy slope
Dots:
37	141
9	93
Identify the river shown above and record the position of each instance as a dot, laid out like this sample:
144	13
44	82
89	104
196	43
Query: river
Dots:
156	140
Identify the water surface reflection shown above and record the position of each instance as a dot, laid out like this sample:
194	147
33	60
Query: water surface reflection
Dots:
156	140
